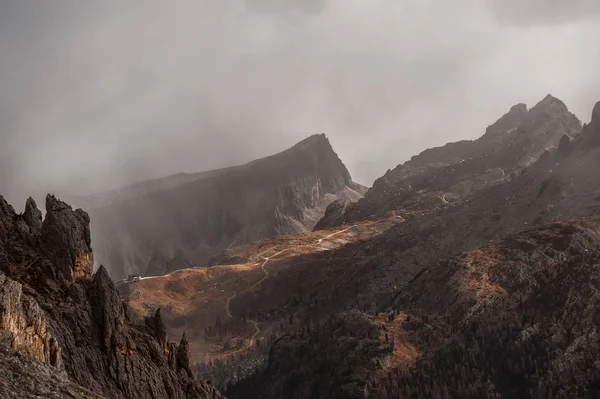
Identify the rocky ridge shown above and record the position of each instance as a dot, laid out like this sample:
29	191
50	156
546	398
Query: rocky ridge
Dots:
69	324
443	176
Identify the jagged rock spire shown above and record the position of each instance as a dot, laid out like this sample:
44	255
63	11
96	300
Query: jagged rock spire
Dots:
590	135
183	356
33	216
67	240
596	114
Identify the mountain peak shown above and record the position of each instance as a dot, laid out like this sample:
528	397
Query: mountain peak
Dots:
596	113
590	135
66	237
551	105
519	108
316	140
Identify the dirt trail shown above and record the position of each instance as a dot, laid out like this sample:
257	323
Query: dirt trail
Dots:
266	260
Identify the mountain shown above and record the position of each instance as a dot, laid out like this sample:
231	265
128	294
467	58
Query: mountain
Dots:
518	318
492	295
64	332
489	311
194	216
445	175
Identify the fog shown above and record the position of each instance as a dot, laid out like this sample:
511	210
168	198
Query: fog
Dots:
96	95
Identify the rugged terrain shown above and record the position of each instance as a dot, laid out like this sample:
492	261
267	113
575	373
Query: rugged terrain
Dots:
64	332
492	294
517	319
248	292
141	228
384	276
446	175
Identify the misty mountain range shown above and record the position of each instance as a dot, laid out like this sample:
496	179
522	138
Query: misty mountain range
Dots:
202	239
195	216
457	272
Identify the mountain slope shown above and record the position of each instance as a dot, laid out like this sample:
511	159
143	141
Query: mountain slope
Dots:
57	319
384	273
515	319
452	173
196	216
303	297
231	293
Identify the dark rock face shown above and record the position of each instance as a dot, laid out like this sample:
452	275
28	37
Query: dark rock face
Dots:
335	214
592	131
56	317
66	240
442	176
200	215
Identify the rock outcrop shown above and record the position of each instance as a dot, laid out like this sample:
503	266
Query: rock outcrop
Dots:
335	214
60	319
199	215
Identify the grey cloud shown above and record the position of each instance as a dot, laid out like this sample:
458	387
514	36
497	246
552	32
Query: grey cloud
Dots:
535	12
287	7
96	95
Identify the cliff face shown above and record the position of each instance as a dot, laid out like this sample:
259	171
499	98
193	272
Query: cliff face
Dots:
60	319
443	176
197	216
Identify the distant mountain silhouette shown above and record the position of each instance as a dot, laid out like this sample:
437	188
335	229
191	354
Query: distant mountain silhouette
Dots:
194	216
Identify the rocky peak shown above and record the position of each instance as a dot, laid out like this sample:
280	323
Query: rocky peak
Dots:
158	327
550	105
316	141
511	120
67	241
183	355
107	309
447	175
33	216
596	114
285	193
53	311
590	135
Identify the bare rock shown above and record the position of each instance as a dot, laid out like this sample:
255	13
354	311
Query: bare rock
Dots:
33	216
67	241
335	214
58	319
183	356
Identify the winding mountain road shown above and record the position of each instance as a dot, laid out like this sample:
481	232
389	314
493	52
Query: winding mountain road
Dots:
266	272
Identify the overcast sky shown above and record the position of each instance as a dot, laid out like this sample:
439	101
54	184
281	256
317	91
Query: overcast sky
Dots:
95	95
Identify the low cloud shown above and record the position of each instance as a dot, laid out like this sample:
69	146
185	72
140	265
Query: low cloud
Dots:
542	12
